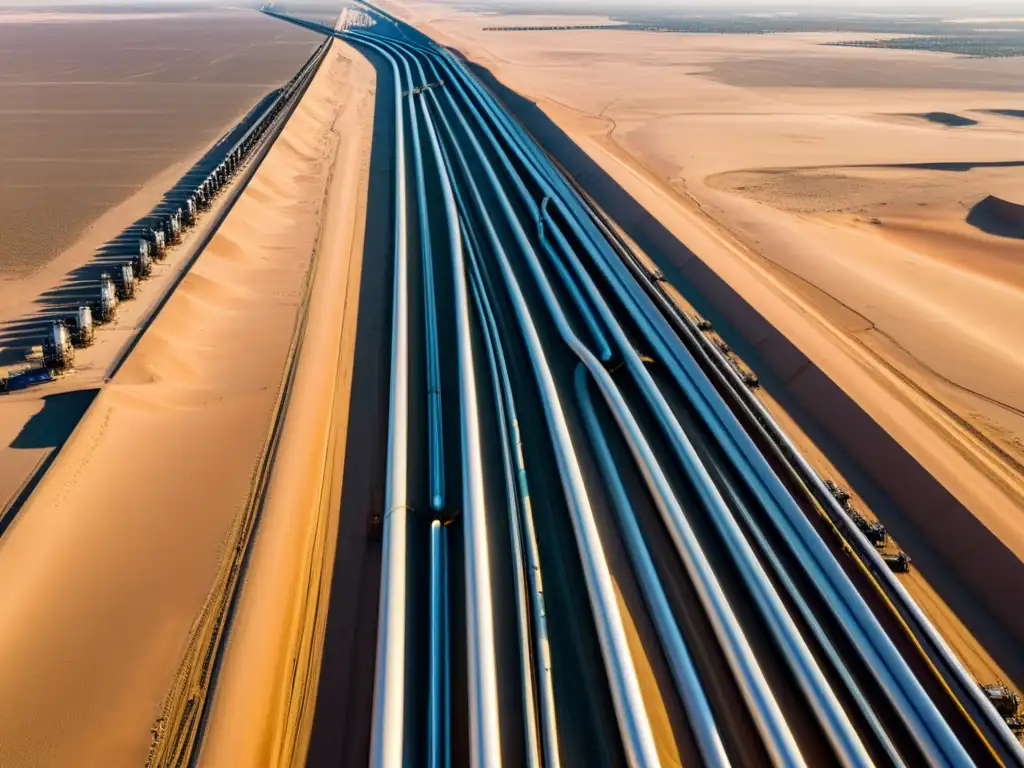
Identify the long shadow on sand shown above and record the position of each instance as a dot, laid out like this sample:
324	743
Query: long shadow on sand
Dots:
80	286
50	428
970	568
344	703
998	217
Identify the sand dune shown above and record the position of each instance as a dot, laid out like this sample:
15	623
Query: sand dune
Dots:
998	217
110	563
269	679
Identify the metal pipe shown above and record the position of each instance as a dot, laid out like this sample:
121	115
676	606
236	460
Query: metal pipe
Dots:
485	733
701	718
823	701
603	351
387	737
435	430
438	749
634	725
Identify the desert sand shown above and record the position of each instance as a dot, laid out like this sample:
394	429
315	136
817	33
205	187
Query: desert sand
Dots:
108	586
828	188
269	679
85	124
89	143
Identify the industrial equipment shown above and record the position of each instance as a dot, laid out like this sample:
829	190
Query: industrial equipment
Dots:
58	352
80	326
898	563
124	282
142	263
176	226
839	494
157	241
873	532
105	307
1002	698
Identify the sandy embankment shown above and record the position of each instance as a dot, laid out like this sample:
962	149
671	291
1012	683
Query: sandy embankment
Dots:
110	562
268	683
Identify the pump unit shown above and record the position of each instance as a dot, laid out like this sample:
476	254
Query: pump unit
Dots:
124	281
158	242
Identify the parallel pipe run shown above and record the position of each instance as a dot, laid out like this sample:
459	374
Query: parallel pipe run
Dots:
387	737
923	721
602	350
902	688
922	627
830	714
439	725
687	680
526	665
435	430
930	730
485	736
635	728
524	536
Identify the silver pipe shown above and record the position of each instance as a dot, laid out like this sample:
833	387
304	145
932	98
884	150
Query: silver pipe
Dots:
387	737
632	717
823	701
701	718
485	726
541	656
438	749
435	431
602	349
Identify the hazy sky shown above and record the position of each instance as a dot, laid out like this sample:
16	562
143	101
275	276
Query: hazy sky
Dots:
921	6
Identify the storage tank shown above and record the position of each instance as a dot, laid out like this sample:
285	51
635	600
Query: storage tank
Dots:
141	262
58	354
124	280
81	327
106	306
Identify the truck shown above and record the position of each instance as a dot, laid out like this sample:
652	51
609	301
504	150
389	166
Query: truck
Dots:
80	326
58	352
105	307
